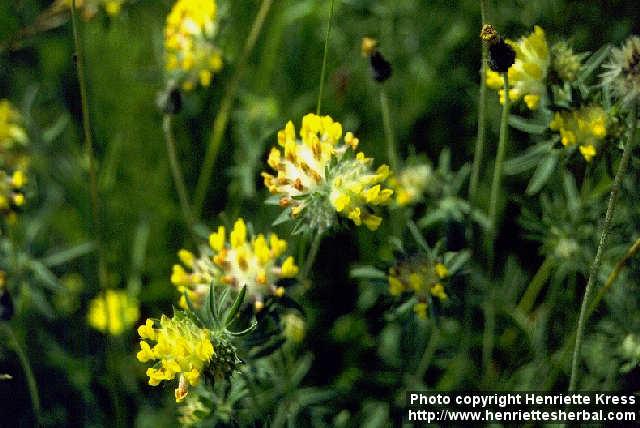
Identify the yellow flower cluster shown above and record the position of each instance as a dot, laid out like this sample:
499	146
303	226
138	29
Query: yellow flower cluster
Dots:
89	8
585	127
181	348
114	313
527	76
13	161
411	183
420	277
191	56
236	262
316	178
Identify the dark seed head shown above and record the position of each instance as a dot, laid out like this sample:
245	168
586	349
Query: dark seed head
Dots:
380	67
501	56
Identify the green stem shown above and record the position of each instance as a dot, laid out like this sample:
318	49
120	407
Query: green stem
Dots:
392	154
26	367
482	103
488	338
632	251
582	320
93	190
535	286
417	236
222	117
497	171
324	60
429	350
176	172
311	256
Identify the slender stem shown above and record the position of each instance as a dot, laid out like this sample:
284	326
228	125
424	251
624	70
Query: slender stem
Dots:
95	201
222	117
26	367
535	286
417	236
88	143
429	350
482	104
632	251
178	178
392	154
311	256
497	171
622	168
488	338
324	60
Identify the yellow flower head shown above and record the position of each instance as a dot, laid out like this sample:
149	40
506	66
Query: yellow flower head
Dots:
113	314
586	127
422	278
191	56
527	76
235	260
318	175
411	183
179	348
13	161
89	8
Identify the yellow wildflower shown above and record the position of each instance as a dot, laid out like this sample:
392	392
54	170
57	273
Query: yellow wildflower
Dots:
527	76
237	261
191	56
411	183
181	349
316	178
585	127
113	314
13	161
422	278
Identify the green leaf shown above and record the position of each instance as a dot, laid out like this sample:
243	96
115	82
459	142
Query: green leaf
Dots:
593	62
546	167
193	312
366	272
69	254
529	159
251	328
236	306
284	217
528	126
54	131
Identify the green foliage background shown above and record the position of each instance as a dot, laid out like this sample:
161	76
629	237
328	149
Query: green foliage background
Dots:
356	360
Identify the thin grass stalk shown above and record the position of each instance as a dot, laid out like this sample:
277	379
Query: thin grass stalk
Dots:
28	372
95	201
311	255
535	286
176	172
611	279
392	153
222	117
615	189
482	104
323	71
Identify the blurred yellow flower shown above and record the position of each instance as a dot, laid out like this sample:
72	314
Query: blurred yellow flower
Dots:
236	260
113	314
527	77
420	277
316	178
181	348
410	183
13	161
191	56
586	127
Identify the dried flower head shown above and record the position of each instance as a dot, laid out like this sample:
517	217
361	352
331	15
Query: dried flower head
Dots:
318	176
623	71
114	313
191	55
586	127
255	262
527	76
